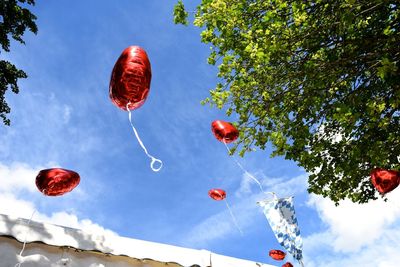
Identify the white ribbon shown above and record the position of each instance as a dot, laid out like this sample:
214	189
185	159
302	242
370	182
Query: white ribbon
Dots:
230	211
233	217
153	159
34	259
248	173
20	258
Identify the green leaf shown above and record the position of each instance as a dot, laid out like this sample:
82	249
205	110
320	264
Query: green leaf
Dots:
317	80
15	20
180	14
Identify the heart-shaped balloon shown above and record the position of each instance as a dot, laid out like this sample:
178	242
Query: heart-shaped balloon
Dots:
217	194
385	180
130	78
277	254
287	264
56	181
224	131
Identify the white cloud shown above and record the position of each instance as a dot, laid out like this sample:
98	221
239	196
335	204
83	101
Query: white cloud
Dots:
213	227
246	184
45	127
362	224
66	114
286	187
13	206
72	220
383	252
356	235
283	187
19	177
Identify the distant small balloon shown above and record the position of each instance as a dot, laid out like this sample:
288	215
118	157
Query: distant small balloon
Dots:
217	194
56	181
287	264
385	180
277	254
130	79
224	131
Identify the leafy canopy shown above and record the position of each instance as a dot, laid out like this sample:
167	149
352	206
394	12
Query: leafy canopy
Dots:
14	20
319	80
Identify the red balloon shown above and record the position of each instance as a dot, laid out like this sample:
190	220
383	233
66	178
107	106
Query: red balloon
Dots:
224	131
287	264
277	254
130	78
217	194
385	180
56	181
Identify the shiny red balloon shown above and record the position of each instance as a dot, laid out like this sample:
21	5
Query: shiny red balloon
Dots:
385	180
224	131
287	264
277	254
130	78
56	181
217	194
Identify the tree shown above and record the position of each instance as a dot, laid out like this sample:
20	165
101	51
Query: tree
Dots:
14	20
319	80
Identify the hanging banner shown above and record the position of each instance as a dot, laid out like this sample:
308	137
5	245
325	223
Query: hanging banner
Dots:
282	219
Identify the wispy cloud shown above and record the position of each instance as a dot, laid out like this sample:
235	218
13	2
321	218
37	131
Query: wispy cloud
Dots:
244	207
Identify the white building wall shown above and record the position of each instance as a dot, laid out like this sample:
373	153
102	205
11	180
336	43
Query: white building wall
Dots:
53	246
42	255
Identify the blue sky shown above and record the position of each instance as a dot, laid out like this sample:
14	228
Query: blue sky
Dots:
63	117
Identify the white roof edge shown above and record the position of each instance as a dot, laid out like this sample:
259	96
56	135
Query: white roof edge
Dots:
110	243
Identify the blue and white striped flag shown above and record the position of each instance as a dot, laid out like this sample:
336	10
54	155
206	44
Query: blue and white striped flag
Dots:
282	219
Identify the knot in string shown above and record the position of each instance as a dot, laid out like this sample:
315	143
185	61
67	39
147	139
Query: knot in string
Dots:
153	161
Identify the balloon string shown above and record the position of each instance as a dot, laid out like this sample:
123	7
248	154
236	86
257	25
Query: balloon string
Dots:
301	263
233	217
26	234
248	173
230	211
153	159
